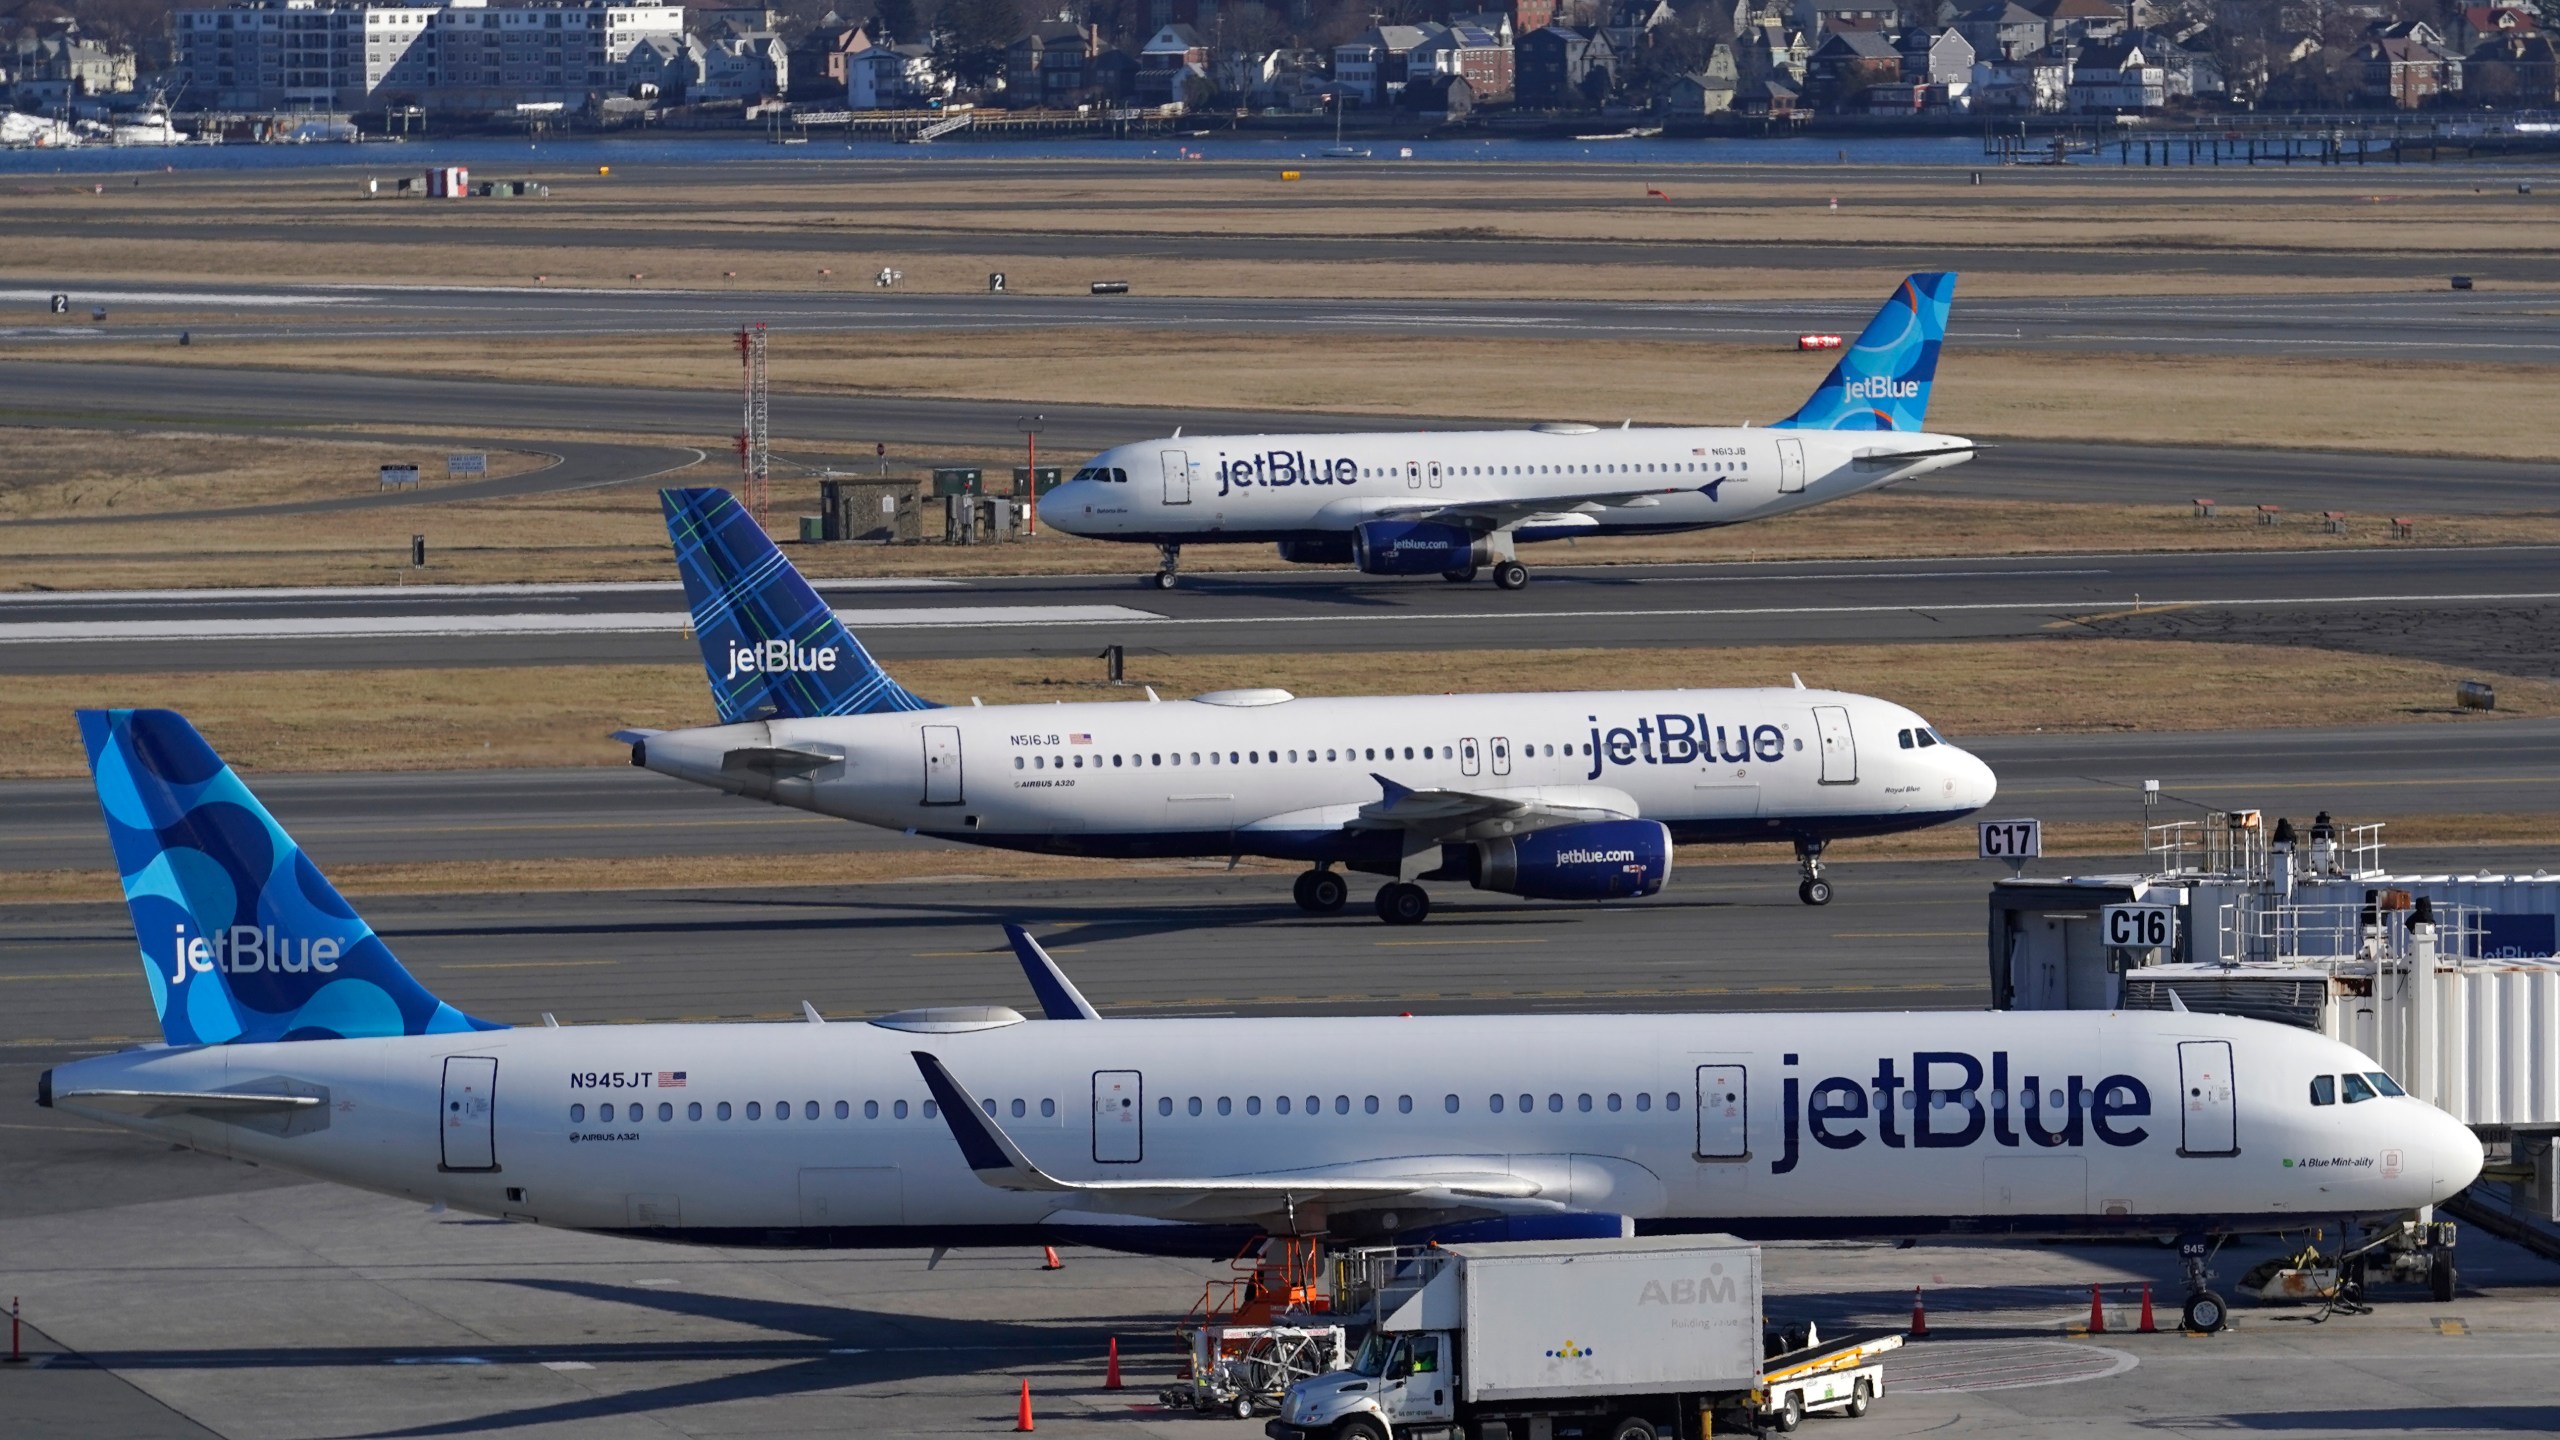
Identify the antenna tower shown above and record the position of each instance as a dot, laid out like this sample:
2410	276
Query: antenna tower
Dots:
754	439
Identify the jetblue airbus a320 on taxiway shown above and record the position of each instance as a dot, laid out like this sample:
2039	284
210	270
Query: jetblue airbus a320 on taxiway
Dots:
1577	795
295	1039
1453	502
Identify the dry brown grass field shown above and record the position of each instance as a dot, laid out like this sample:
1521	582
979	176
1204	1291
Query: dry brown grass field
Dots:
48	473
946	227
430	719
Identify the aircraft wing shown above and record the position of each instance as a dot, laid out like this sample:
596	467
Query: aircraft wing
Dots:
1461	814
1502	513
1000	1163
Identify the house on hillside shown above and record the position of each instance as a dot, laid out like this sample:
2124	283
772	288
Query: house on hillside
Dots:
1051	67
1370	68
2074	22
1710	90
1173	62
1945	58
1564	67
2001	29
2037	84
894	77
1846	63
1467	49
2476	25
2512	70
2407	70
2115	77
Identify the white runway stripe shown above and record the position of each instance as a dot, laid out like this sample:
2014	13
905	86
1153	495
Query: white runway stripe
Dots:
57	632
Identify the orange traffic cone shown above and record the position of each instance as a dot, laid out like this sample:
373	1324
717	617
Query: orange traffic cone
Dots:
1111	1372
1049	1258
2097	1313
1919	1316
1022	1417
2146	1327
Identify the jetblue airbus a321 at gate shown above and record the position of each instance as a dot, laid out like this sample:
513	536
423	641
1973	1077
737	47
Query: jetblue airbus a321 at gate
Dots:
1452	502
295	1039
1570	796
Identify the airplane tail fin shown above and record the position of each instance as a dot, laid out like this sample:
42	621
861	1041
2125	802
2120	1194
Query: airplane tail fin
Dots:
242	937
772	648
1882	381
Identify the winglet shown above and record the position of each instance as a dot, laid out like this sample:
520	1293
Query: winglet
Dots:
986	1147
1059	998
1394	791
2174	1002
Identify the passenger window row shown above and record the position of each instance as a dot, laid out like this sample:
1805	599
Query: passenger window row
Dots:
2325	1089
809	1110
1372	1104
1672	467
1047	761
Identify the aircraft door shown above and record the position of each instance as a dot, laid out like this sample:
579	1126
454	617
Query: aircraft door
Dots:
1724	1112
1177	476
942	764
470	1113
2207	1124
1790	466
1470	756
1119	1117
1413	474
1839	745
1501	755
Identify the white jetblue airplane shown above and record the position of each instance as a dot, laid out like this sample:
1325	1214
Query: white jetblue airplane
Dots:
1451	502
295	1039
1569	796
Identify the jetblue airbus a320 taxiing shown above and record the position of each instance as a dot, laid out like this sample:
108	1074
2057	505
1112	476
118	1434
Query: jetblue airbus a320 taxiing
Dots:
1453	502
295	1039
1568	796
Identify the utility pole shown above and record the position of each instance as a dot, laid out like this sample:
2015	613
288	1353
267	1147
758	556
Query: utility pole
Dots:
1030	426
754	438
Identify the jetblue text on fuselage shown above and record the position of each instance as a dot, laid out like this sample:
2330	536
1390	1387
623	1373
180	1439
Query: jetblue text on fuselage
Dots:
1273	469
781	657
1682	740
1946	1104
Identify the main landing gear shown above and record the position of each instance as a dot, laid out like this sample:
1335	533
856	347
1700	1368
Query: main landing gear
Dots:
1164	577
1507	575
1401	902
1321	892
1812	889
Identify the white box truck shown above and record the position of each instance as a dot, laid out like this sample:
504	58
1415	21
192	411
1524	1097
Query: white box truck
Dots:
1625	1339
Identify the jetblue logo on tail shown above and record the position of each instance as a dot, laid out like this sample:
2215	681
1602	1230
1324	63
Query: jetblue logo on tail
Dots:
781	657
250	949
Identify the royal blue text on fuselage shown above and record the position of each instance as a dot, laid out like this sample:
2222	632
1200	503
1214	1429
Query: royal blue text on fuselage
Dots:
1274	469
1682	740
1953	1103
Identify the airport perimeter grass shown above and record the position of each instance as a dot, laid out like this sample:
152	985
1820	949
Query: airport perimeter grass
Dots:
431	719
1983	391
52	473
2465	833
947	222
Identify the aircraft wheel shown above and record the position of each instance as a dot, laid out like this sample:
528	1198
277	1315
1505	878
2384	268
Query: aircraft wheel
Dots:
1400	903
1161	580
1320	892
1510	575
2441	1279
1814	892
2205	1313
1459	577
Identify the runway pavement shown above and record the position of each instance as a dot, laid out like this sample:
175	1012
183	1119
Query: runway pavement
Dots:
2432	323
2493	606
2481	765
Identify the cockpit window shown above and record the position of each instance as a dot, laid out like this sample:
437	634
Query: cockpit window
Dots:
1905	737
1927	739
1119	477
2324	1089
2357	1089
2384	1083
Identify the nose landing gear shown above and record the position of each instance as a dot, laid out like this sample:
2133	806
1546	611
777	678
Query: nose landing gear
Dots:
1811	888
1164	577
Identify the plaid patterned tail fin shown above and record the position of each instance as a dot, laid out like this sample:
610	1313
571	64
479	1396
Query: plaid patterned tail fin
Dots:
772	648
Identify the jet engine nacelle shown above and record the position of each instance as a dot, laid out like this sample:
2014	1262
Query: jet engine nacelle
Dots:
1416	547
1322	550
1599	860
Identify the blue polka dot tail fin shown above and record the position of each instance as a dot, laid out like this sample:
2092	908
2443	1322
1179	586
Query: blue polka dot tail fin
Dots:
1882	381
242	938
772	648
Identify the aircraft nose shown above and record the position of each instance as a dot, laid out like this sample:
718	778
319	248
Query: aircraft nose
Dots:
1064	504
1976	785
2457	1156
